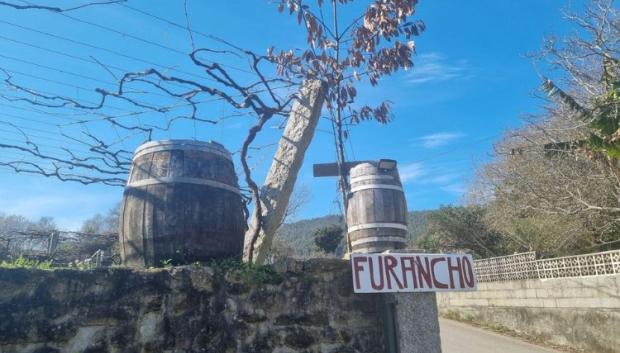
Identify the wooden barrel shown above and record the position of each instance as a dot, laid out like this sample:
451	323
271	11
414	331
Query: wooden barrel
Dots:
377	210
181	205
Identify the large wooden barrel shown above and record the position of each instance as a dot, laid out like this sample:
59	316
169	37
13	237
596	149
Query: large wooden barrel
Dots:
181	205
377	210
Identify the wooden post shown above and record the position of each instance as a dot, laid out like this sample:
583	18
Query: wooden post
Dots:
289	157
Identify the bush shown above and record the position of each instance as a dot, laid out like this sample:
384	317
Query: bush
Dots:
328	238
22	262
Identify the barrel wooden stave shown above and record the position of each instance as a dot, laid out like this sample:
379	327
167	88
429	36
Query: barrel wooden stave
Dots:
182	222
376	198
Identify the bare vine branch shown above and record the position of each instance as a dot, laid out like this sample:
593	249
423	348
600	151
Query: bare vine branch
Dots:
58	9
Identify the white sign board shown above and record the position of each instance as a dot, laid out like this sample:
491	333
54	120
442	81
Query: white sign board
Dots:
393	272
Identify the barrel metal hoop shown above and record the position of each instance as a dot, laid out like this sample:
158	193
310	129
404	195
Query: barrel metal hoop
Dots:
160	148
377	186
195	143
377	239
376	225
184	180
371	177
370	250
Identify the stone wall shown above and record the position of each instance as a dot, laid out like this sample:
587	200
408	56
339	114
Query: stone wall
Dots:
298	307
579	312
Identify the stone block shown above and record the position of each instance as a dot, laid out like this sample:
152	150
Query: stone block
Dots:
610	302
567	303
532	284
533	303
501	302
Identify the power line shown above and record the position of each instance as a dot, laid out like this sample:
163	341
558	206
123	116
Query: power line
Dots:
58	70
57	52
9	170
162	46
123	70
63	141
134	37
77	74
30	109
180	26
74	57
63	97
68	158
214	99
23	61
145	104
39	144
69	56
172	23
111	51
27	119
30	158
70	85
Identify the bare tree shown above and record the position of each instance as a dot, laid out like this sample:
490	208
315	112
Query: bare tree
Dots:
343	53
299	199
540	197
158	97
554	185
589	62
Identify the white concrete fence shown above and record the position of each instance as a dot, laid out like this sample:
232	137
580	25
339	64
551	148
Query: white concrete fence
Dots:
572	300
525	266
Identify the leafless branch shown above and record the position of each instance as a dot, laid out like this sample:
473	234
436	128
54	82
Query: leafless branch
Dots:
58	9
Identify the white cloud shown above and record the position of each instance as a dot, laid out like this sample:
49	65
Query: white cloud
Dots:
439	178
438	139
424	179
410	171
434	67
455	188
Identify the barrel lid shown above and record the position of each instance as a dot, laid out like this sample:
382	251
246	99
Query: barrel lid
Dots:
370	169
167	145
364	169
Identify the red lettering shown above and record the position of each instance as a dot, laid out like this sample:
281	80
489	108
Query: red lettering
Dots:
458	268
390	264
407	268
468	272
357	268
437	283
372	274
424	272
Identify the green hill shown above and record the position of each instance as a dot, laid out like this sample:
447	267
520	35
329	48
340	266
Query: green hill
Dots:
298	238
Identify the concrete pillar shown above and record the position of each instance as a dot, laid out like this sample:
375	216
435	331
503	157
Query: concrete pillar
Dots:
417	323
416	318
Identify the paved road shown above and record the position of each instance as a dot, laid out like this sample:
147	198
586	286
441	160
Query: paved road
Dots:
461	338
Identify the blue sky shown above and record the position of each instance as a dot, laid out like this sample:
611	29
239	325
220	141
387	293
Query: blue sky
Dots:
471	81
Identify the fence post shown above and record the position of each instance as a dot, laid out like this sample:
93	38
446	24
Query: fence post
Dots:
52	243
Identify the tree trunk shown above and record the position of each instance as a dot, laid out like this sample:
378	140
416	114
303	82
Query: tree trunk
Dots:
280	181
